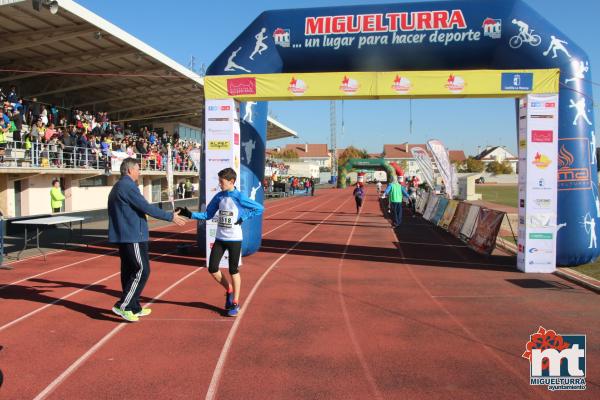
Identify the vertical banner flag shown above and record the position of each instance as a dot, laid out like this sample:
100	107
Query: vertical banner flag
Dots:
440	155
170	176
222	150
538	166
425	165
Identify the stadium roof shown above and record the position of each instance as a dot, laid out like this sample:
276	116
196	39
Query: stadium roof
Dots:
75	58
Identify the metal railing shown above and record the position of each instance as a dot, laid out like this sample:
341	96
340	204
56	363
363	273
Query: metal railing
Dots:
57	155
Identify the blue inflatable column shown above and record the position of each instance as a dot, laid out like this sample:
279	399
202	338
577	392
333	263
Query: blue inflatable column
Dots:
578	201
253	130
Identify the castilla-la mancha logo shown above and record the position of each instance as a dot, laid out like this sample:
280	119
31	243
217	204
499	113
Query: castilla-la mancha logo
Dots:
455	84
349	85
401	85
297	87
556	361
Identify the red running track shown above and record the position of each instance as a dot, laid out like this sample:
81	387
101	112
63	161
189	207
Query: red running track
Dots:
335	306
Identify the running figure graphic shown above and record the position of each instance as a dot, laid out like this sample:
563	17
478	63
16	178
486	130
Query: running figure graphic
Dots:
581	113
231	65
581	69
248	114
260	43
557	44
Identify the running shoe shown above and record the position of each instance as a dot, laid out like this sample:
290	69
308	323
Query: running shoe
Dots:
126	315
234	310
228	300
144	312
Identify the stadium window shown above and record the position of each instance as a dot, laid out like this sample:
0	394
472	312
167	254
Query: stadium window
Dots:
95	181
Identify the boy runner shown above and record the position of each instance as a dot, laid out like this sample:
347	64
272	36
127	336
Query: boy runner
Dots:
233	208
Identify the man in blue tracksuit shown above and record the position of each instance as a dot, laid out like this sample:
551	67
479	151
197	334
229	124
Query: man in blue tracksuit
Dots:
395	191
128	227
232	208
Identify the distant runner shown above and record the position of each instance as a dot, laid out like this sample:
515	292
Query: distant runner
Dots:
359	195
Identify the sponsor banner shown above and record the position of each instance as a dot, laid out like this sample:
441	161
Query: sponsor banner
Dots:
431	206
442	160
393	84
460	216
448	214
422	202
539	163
470	222
425	165
222	151
439	210
484	237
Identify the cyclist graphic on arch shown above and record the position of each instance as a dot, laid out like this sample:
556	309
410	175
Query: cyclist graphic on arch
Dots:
525	36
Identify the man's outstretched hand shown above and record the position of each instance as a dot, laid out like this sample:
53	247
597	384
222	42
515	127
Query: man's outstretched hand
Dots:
178	219
184	212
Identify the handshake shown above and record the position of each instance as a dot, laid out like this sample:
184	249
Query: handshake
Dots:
184	212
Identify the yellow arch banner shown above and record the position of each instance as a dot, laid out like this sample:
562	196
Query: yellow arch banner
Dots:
382	85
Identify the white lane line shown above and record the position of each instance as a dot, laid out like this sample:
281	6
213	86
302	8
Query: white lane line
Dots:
459	323
357	349
218	372
105	254
37	310
76	244
73	367
85	260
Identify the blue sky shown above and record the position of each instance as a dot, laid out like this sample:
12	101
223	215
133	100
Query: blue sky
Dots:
182	28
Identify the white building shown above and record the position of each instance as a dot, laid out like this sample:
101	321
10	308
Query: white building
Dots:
499	154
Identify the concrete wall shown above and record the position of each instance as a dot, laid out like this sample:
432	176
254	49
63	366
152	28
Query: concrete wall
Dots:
35	193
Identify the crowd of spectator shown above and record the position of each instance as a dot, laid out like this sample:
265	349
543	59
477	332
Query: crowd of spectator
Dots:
52	136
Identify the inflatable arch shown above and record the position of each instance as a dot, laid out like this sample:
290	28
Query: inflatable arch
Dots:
377	164
397	168
357	50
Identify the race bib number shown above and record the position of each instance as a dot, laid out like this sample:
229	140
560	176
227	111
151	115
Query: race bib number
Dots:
225	219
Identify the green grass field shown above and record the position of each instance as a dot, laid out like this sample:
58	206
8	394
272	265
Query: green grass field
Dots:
592	269
507	195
